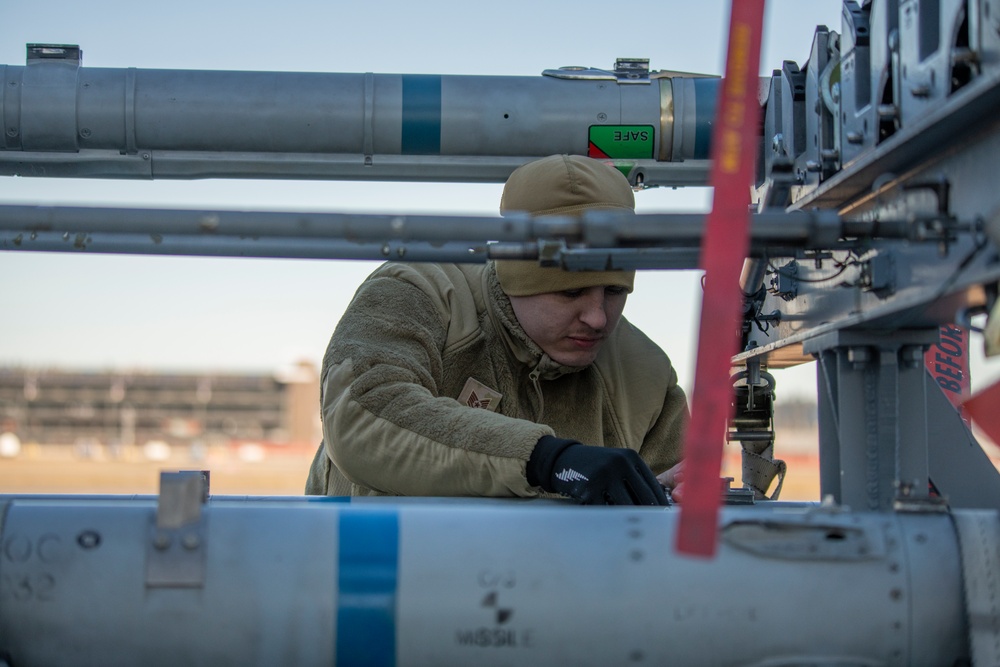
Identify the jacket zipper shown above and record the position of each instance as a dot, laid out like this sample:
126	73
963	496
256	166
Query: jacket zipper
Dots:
534	375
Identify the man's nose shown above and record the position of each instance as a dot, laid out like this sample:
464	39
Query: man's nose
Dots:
593	311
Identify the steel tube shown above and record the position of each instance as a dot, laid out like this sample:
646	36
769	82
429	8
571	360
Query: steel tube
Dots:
799	228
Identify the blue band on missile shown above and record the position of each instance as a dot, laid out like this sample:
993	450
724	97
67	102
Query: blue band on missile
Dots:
421	132
705	93
368	566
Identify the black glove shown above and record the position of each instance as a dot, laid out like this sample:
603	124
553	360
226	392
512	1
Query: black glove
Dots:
593	475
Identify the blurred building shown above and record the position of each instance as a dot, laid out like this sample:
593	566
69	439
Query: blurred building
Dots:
134	408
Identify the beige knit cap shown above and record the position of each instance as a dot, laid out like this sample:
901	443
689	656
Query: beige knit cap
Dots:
562	185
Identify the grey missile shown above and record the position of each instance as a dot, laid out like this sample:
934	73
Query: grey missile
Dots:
65	120
325	581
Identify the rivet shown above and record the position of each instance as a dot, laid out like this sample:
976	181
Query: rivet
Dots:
161	541
88	539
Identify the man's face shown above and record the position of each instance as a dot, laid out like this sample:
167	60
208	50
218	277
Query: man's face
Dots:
571	326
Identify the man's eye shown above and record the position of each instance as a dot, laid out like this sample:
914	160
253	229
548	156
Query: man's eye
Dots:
572	293
615	290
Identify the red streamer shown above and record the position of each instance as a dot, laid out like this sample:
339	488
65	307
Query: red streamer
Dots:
723	250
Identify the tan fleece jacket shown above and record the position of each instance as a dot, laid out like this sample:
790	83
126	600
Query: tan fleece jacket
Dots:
402	355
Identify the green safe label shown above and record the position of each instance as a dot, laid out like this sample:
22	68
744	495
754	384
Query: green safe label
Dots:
621	142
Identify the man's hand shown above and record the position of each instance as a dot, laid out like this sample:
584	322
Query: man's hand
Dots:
593	475
673	479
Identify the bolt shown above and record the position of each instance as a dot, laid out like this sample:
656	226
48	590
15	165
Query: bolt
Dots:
602	116
161	541
209	223
858	356
635	555
778	144
85	132
886	111
912	356
11	131
191	541
88	539
145	156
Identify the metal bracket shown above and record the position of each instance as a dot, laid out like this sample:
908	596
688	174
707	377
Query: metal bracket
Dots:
632	70
627	70
878	275
784	281
175	549
752	425
68	52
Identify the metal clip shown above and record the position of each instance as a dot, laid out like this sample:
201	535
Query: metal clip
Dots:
175	550
632	70
68	52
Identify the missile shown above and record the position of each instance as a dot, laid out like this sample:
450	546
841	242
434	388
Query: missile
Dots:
65	120
457	582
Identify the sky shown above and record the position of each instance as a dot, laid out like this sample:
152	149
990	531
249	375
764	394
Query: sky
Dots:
246	315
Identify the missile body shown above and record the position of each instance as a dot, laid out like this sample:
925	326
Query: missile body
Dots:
459	583
62	119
